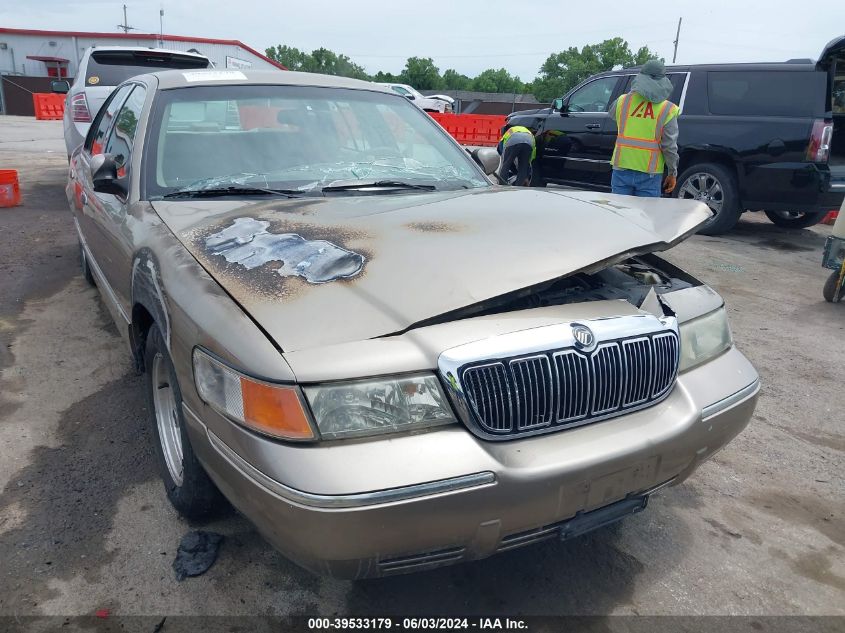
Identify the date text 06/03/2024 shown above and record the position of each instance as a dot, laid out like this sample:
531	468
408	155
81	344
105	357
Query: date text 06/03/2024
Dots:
413	624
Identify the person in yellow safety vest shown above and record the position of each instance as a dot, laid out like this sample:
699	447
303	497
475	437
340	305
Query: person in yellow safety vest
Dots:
517	145
647	138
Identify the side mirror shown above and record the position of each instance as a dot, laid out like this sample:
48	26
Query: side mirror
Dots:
410	97
488	158
60	86
104	175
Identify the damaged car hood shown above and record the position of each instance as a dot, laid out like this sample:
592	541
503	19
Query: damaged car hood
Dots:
325	270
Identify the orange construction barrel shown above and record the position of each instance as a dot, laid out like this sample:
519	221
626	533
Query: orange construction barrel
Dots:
10	191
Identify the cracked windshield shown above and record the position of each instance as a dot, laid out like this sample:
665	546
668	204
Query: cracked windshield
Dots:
299	141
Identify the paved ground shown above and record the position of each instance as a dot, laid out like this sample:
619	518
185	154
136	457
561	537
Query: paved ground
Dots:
84	523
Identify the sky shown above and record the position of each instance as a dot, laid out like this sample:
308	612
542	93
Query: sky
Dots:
467	35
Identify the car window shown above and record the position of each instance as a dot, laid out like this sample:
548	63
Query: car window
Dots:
123	132
677	80
767	93
110	68
102	123
839	94
296	137
593	97
401	91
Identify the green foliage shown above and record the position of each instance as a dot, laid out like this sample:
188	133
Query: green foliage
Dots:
500	80
421	73
321	60
453	80
560	72
387	78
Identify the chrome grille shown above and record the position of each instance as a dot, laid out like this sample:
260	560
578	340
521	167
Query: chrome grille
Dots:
563	388
533	384
489	390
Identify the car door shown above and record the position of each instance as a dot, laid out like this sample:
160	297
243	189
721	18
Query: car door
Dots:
573	149
90	211
112	219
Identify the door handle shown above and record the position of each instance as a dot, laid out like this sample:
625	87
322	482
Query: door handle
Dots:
83	197
593	126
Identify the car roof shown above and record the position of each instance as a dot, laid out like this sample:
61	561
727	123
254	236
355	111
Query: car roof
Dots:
797	65
146	49
168	79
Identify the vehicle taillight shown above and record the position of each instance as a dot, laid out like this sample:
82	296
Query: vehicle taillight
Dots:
818	151
79	108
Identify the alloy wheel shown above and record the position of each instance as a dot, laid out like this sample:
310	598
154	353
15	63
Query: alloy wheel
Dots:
704	187
167	419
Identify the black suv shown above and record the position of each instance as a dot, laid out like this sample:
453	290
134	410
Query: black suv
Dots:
755	137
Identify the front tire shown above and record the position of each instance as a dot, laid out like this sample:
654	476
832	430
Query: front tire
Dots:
715	185
829	290
536	176
85	266
795	219
188	486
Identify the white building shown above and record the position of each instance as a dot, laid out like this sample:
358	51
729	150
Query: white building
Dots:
57	53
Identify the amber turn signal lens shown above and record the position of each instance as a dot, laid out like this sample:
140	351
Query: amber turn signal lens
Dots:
274	410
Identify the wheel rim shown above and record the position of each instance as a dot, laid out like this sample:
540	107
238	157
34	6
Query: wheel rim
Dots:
167	420
704	187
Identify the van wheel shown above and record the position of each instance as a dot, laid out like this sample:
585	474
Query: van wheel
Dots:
536	177
188	487
716	186
86	268
795	219
829	290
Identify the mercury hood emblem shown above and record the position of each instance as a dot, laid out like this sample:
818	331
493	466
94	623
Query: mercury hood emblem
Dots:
583	336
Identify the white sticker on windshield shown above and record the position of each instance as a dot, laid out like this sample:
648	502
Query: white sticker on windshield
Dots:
214	75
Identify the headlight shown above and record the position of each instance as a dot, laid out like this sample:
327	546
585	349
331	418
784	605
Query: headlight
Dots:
370	407
703	338
274	410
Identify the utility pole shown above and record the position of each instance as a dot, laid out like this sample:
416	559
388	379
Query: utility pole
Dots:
161	25
677	37
125	26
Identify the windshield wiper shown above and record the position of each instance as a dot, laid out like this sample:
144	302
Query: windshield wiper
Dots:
379	184
217	192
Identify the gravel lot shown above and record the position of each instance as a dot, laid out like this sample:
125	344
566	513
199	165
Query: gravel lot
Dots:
85	525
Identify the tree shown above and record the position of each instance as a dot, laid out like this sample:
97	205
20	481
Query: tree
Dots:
321	60
386	78
289	57
421	73
500	80
453	80
561	71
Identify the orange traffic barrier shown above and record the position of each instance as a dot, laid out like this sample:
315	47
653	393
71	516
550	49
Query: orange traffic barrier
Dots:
472	129
10	191
48	106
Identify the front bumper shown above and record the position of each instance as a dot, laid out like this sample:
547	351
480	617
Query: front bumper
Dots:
499	495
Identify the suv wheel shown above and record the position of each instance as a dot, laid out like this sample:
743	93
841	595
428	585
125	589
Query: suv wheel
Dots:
188	487
714	185
536	176
795	219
